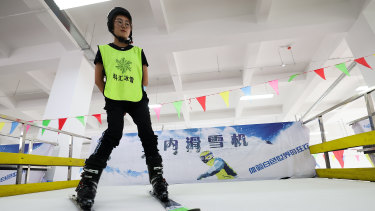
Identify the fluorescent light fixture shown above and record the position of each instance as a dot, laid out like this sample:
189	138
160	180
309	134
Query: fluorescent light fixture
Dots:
67	4
154	106
361	88
256	97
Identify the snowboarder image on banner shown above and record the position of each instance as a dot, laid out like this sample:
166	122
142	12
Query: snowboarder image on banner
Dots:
218	167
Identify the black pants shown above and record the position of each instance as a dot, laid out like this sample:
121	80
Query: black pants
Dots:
139	111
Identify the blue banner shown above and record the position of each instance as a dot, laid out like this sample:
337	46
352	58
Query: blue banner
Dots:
241	152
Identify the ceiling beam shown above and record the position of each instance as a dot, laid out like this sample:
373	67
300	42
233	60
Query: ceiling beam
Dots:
4	50
41	80
250	60
53	24
160	15
263	10
182	40
7	101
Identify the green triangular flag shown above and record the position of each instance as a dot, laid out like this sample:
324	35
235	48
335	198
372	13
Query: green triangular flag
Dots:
178	105
342	67
81	119
45	124
292	77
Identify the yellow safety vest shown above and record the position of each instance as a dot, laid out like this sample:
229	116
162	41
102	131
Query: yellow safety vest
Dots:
123	70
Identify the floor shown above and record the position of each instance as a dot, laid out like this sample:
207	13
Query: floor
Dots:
315	194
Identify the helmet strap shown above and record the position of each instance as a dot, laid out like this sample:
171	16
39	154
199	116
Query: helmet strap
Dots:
122	39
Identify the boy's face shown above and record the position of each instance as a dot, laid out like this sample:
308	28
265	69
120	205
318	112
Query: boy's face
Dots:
122	26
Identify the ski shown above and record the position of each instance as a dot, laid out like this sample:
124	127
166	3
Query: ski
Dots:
73	198
171	205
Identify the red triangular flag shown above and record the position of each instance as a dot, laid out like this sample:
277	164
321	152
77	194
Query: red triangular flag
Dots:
340	157
61	123
320	72
98	117
363	62
202	101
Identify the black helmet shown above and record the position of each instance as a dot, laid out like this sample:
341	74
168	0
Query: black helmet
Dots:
111	18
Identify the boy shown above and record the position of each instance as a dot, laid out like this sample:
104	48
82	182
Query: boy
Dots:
125	68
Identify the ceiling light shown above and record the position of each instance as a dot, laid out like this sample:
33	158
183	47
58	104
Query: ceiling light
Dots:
256	97
361	88
67	4
154	106
283	65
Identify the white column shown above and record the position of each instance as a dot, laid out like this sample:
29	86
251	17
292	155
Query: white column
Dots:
70	96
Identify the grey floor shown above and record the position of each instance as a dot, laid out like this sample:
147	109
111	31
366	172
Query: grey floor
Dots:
315	194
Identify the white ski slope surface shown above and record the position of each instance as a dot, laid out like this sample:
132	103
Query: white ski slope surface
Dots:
313	194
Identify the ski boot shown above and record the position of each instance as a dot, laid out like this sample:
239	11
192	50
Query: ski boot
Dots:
159	185
86	189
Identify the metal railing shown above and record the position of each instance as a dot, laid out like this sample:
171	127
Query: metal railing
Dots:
370	111
23	139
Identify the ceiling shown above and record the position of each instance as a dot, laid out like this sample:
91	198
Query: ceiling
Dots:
194	48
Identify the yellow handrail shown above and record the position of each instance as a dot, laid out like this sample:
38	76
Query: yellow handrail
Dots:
362	139
26	159
10	190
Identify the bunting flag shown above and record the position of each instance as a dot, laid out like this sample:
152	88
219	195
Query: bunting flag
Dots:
275	85
157	111
343	68
292	77
28	126
340	157
62	122
246	90
178	106
320	72
363	62
98	117
315	157
81	119
225	96
369	160
202	101
45	123
357	157
2	125
14	125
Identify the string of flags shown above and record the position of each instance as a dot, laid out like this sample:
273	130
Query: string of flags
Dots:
339	156
201	99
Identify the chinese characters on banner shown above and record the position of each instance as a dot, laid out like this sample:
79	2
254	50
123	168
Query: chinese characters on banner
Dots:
214	141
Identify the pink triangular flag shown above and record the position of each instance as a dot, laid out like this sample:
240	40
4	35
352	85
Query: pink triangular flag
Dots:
320	72
28	126
340	157
275	85
157	111
357	156
202	101
98	117
363	62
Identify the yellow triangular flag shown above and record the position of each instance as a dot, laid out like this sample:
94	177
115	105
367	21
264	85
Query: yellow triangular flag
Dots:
369	160
225	96
2	125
